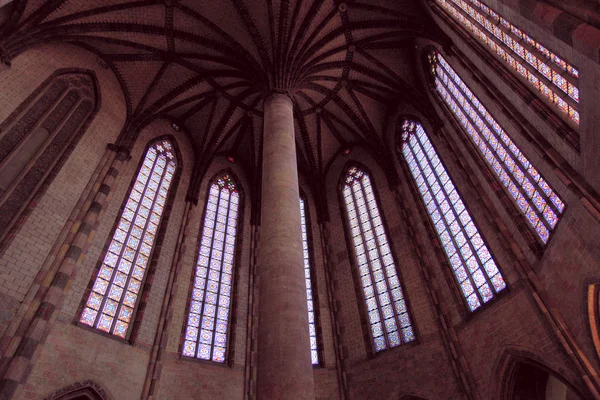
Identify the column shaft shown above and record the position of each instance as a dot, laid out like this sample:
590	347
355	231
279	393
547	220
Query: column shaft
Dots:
284	366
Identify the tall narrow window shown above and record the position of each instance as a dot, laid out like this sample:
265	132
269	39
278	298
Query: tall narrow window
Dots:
312	329
388	313
209	309
472	262
113	299
536	199
550	75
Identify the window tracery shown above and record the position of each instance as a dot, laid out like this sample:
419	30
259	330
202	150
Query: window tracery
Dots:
312	329
207	324
472	262
539	203
113	299
389	320
550	75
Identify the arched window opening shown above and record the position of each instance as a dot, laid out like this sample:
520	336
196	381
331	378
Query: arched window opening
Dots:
539	203
528	381
206	334
388	315
312	329
113	299
471	261
37	138
550	75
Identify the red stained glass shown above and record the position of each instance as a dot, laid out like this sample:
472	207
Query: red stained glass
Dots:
107	292
216	265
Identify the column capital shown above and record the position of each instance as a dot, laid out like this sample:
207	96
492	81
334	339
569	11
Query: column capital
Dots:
277	93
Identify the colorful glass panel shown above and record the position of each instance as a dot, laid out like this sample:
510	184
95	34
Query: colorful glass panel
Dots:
472	262
312	329
550	75
111	303
385	302
208	316
532	194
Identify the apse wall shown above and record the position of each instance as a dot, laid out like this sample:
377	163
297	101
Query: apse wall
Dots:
21	261
571	260
421	368
189	378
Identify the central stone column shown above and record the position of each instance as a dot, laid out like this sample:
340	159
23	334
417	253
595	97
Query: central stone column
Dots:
284	369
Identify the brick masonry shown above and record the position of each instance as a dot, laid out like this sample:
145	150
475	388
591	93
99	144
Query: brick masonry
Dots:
457	355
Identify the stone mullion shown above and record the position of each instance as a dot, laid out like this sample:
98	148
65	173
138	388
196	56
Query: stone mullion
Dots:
509	154
503	165
445	221
523	90
448	332
208	269
522	60
42	118
166	312
15	183
19	365
229	306
535	289
142	237
556	162
369	264
120	256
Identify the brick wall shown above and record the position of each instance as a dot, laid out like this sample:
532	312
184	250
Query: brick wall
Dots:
401	370
188	378
99	357
571	260
23	258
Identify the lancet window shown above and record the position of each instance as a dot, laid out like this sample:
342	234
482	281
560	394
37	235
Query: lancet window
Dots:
206	334
550	75
390	323
471	261
312	329
112	301
540	204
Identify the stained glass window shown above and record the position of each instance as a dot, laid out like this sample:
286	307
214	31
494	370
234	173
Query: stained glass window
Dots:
388	315
472	263
312	330
550	75
209	310
112	301
536	199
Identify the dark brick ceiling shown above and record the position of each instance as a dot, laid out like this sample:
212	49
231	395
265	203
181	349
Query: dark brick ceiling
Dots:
208	65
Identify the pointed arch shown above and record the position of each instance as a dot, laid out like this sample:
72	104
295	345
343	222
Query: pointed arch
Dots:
114	293
531	194
472	262
208	333
38	137
387	310
520	373
551	77
84	390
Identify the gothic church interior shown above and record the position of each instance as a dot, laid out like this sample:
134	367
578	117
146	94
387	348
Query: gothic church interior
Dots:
299	199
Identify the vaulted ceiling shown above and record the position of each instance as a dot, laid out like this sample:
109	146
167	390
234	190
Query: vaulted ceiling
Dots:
209	64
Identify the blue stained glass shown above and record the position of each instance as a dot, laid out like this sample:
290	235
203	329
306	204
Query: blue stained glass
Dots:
464	234
114	298
522	186
215	263
378	256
